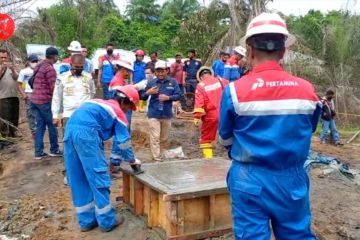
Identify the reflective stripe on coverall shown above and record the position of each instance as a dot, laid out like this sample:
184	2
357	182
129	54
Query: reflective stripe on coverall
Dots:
207	101
266	122
85	162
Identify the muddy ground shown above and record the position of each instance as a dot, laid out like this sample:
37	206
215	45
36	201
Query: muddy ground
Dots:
35	204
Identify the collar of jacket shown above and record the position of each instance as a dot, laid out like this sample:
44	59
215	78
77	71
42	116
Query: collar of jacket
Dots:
162	81
269	65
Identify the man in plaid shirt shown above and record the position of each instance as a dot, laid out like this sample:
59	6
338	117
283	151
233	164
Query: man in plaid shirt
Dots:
43	87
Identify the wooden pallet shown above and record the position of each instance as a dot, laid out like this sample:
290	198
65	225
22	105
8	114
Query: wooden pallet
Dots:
187	199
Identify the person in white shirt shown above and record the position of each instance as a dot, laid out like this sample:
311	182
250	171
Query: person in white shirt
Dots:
25	90
72	88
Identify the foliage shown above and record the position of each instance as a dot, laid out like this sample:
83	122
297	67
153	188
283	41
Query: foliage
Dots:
142	10
180	9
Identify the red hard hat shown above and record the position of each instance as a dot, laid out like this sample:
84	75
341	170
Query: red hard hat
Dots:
139	53
130	92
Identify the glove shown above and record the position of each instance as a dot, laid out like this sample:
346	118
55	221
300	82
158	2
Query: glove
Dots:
197	122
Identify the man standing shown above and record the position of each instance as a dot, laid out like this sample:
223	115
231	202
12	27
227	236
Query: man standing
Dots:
177	71
232	69
327	119
139	74
107	70
219	64
87	169
44	83
191	67
9	101
163	91
88	66
206	112
71	90
26	91
153	60
74	48
266	122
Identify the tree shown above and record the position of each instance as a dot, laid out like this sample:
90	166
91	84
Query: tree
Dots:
142	10
180	9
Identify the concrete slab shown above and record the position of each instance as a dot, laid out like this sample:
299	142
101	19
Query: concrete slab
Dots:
185	179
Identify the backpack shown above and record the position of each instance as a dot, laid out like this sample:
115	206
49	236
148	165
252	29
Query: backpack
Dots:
32	78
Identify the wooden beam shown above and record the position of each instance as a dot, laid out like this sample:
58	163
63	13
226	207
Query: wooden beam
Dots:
153	219
138	197
126	188
171	218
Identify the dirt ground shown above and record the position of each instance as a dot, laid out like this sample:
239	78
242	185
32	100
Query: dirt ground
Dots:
35	204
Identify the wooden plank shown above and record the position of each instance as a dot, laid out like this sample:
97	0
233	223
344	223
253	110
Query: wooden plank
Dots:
138	197
146	200
132	191
153	217
220	210
126	188
171	218
202	235
196	215
181	217
161	212
212	211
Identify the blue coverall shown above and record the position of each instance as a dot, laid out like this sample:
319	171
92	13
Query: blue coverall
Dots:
85	162
266	122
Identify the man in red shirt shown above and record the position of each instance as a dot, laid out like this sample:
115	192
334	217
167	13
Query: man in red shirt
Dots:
177	72
43	87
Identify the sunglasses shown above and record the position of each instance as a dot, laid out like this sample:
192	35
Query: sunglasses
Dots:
36	61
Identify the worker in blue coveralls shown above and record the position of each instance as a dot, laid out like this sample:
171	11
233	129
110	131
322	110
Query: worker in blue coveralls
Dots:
219	64
266	122
86	166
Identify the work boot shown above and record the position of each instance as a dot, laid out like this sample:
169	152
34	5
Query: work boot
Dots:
90	227
136	167
119	220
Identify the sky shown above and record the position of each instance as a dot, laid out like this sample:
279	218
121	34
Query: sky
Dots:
295	7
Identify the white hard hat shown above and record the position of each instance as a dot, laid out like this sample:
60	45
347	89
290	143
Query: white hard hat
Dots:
74	46
160	65
240	50
125	64
269	23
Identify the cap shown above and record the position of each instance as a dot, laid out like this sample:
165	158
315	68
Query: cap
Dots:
160	65
75	46
202	70
125	64
51	51
33	58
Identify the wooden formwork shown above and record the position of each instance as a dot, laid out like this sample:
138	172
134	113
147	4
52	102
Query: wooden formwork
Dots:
195	210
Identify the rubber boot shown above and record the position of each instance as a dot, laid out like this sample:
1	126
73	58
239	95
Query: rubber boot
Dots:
141	106
208	153
207	150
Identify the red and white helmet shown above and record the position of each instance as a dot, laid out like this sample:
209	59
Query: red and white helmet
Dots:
130	92
269	23
139	52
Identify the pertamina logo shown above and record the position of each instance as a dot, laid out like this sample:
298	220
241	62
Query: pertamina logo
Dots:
260	83
7	26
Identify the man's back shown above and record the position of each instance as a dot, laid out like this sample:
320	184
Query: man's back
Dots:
270	116
44	83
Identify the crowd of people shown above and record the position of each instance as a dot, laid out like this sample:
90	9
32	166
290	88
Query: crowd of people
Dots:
265	117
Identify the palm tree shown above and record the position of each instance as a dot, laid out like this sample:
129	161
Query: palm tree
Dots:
181	9
142	9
